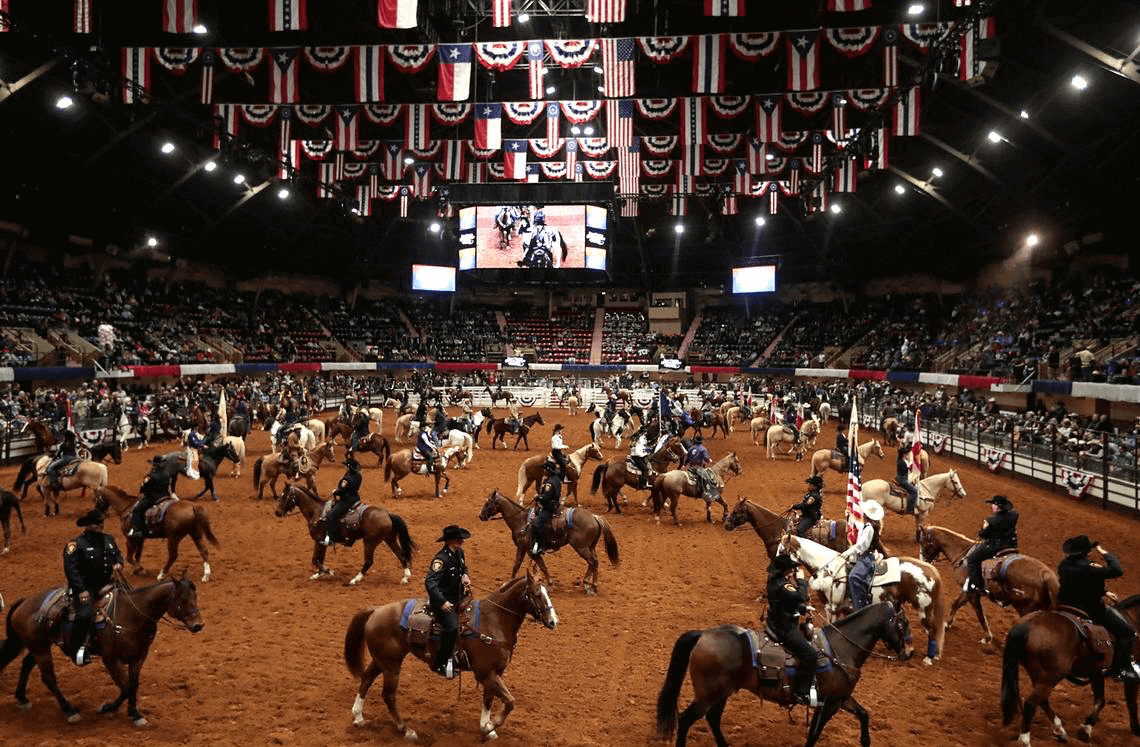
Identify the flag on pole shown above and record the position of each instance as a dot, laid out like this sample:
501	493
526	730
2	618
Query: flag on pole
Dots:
488	126
916	446
536	69
222	413
854	513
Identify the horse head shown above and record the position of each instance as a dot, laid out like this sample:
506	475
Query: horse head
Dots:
734	464
877	449
537	601
230	452
954	481
183	605
898	633
789	545
491	507
101	503
928	547
287	502
739	515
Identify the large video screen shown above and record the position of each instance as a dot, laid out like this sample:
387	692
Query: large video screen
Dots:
758	279
533	237
433	278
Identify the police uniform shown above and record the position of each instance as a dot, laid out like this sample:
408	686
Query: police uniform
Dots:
155	487
810	507
1082	586
998	532
89	561
444	583
347	494
787	600
549	501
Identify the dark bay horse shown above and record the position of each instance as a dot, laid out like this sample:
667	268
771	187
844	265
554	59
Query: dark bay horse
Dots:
43	433
376	444
374	525
505	396
114	449
122	644
1048	645
180	519
488	648
583	536
1026	584
719	663
500	429
9	502
771	527
209	460
614	475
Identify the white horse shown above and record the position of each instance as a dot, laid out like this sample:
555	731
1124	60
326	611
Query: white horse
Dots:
317	427
405	427
306	438
825	412
599	427
928	491
916	583
377	415
777	434
239	449
757	427
456	437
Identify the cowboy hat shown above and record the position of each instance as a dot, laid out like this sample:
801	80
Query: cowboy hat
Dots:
1075	547
873	510
157	459
91	518
814	480
351	463
782	563
1001	502
454	532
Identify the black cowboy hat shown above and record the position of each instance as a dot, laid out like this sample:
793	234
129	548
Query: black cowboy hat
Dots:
157	459
558	426
1074	547
814	480
1001	502
351	463
782	563
454	532
91	518
699	440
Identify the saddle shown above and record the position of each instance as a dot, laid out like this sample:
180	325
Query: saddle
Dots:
560	525
993	569
57	605
631	466
152	519
708	487
424	631
773	662
69	469
898	491
823	531
839	456
887	571
1100	641
350	522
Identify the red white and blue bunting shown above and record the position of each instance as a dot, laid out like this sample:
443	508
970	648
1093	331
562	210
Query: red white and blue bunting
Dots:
176	59
599	169
852	42
656	169
923	35
659	145
554	169
241	59
571	53
317	150
382	114
656	108
725	142
867	99
595	147
451	114
751	47
410	58
993	458
661	49
729	106
542	149
258	115
808	103
327	59
523	112
499	55
580	112
312	114
1076	482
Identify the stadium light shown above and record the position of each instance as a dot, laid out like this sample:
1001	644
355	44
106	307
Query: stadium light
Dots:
601	89
835	208
434	227
760	220
201	30
550	90
575	130
679	227
282	193
900	189
598	69
239	178
1032	240
524	17
408	160
210	165
995	136
915	9
770	156
64	102
1024	114
168	147
1079	83
151	241
936	173
589	130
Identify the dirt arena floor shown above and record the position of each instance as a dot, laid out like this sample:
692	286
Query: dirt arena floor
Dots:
268	668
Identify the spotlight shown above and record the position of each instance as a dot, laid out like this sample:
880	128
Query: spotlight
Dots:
550	90
900	189
201	30
524	17
239	178
936	173
355	210
408	160
64	102
575	130
1024	114
210	165
589	130
770	157
168	147
994	136
601	89
915	9
434	227
151	241
1032	240
679	227
760	220
598	69
835	208
1079	83
282	193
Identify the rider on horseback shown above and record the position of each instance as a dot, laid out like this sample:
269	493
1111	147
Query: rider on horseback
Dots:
696	460
347	495
446	583
787	601
611	408
426	445
195	442
843	447
790	422
638	451
810	506
155	487
902	477
999	532
515	420
864	549
89	560
1082	587
706	413
549	500
359	430
557	447
65	454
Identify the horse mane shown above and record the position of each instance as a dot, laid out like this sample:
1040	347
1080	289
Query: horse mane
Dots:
859	614
1130	602
118	492
506	588
957	534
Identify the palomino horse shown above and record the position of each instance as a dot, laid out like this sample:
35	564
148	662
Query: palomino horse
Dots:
891	431
531	471
577	527
402	432
9	501
778	434
1025	583
737	414
122	644
826	459
500	428
268	468
928	491
758	428
86	475
372	524
402	463
317	426
771	527
918	584
572	404
615	474
719	663
1051	649
675	483
825	411
488	649
180	519
376	444
238	445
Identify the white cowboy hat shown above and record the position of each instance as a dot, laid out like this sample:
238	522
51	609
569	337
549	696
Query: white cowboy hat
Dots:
873	510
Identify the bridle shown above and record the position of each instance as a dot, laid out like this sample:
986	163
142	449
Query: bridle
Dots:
894	626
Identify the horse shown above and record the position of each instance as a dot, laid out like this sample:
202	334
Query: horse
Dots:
488	647
401	464
373	525
317	426
238	427
123	643
456	396
778	434
891	431
928	491
756	427
675	483
615	428
737	414
178	520
825	411
402	432
208	462
716	421
85	475
615	474
9	501
719	662
499	394
273	466
771	527
462	439
238	445
43	433
373	443
572	405
919	585
531	471
1025	583
101	451
299	436
826	459
1051	648
499	429
337	425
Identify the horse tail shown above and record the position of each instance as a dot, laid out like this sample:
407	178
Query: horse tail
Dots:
257	472
13	645
1015	642
490	422
404	538
611	543
354	643
387	469
667	698
599	473
19	514
27	473
655	494
203	522
1052	586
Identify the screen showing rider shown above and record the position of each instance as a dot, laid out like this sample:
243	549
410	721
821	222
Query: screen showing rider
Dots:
545	246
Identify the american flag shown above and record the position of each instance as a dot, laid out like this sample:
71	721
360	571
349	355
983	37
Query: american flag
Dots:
629	168
803	60
536	68
619	122
364	200
326	182
287	15
136	74
906	113
724	7
179	16
629	208
693	128
416	126
844	6
617	67
80	19
854	513
605	11
369	81
453	159
890	57
969	65
501	13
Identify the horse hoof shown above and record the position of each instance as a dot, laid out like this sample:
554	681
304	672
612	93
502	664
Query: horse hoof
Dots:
105	708
74	717
410	735
141	722
492	735
928	661
25	706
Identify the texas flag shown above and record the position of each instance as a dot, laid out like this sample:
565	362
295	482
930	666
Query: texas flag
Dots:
803	60
488	126
454	72
514	159
397	14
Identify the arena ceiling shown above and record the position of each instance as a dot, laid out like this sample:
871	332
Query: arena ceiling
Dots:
949	200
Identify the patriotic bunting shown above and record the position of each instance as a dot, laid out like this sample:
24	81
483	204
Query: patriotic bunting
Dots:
523	112
692	159
656	108
241	59
283	75
937	442
768	127
258	115
499	55
906	113
682	189
656	169
815	163
1077	483
554	169
838	115
287	15
410	58
595	147
366	149
867	99
580	112
729	205
570	53
382	114
618	67
803	60
326	182
488	126
226	114
478	171
662	49
751	47
715	166
176	59
350	170
288	150
338	162
179	16
693	125
136	75
773	165
790	140
725	142
312	114
327	59
571	156
454	72
660	145
773	198
630	208
405	193
807	103
655	190
793	186
450	114
396	14
536	69
599	169
605	11
542	149
853	42
708	64
369	83
727	107
922	35
993	458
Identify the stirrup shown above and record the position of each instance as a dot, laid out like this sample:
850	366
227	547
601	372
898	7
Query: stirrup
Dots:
82	658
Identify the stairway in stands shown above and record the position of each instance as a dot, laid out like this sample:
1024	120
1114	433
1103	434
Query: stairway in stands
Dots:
596	343
688	340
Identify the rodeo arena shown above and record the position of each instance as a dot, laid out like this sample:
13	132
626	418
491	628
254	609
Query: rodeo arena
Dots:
569	372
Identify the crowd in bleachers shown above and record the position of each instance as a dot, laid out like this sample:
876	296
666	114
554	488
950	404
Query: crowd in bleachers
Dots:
626	338
728	336
562	337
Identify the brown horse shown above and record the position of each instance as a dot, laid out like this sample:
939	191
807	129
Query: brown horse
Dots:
771	527
268	468
531	471
488	647
338	426
576	527
675	483
401	464
9	501
1051	649
826	459
719	663
122	644
505	396
376	444
717	421
891	431
44	435
615	474
500	428
372	524
180	519
1026	584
